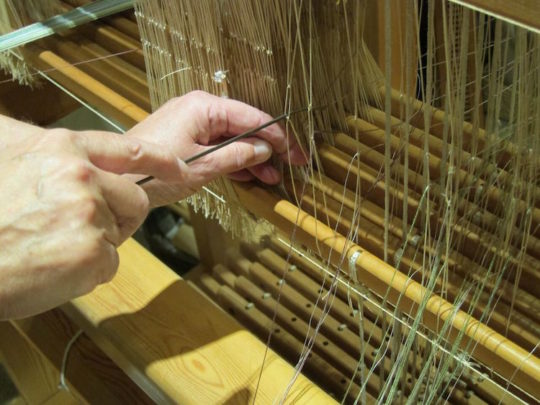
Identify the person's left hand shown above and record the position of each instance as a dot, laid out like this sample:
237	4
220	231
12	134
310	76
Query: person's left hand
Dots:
190	124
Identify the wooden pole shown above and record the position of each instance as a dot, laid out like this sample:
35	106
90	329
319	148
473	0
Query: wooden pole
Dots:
89	88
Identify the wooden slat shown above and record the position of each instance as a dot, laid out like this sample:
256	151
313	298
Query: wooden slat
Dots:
290	347
34	376
90	374
88	88
524	12
175	343
107	71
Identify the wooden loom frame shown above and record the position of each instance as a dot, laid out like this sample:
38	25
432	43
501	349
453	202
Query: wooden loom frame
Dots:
109	326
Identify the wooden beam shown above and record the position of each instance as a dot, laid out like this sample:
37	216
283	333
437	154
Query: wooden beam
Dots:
176	344
522	12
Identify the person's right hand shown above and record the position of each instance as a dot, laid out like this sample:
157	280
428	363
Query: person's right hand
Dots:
193	123
65	209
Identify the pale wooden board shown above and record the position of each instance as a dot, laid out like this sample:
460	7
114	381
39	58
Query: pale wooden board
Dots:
34	376
524	12
177	345
91	376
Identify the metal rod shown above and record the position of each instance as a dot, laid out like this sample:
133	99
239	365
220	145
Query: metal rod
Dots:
73	18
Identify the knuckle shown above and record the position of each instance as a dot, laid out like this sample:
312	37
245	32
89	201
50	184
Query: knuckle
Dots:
188	98
135	150
143	203
172	104
196	94
211	165
217	118
70	139
59	138
85	286
81	170
242	156
63	135
88	209
107	271
90	251
98	261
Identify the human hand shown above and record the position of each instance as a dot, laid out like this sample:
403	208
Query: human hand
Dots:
191	124
65	210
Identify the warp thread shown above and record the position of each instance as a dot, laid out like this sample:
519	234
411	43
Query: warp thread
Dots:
62	384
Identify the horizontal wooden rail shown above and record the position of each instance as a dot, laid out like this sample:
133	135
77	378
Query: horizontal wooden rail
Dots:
523	12
90	89
176	344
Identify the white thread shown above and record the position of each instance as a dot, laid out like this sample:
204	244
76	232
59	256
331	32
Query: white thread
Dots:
352	261
364	293
62	384
173	72
398	255
220	198
75	63
65	90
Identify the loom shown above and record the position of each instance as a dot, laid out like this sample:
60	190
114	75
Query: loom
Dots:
401	266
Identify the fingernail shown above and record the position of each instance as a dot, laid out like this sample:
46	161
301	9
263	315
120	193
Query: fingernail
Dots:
262	149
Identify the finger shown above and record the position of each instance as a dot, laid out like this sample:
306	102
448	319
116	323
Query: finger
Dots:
97	272
128	202
122	154
105	219
266	173
233	158
243	175
226	117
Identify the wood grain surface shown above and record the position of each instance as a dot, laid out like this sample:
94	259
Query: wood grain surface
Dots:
176	344
525	12
91	376
33	375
